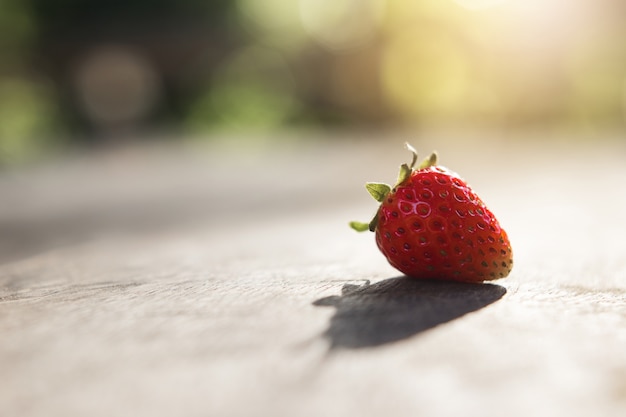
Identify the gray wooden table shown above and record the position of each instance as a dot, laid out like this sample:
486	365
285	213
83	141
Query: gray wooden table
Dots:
222	280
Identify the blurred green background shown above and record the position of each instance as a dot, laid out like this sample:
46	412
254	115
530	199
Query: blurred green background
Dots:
87	72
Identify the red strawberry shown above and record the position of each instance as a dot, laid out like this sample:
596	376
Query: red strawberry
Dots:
431	225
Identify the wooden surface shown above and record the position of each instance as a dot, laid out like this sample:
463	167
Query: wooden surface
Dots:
224	281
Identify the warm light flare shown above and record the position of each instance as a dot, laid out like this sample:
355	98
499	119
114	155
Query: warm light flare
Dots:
480	4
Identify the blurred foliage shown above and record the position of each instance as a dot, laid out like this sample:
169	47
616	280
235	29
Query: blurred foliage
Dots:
253	88
27	120
94	68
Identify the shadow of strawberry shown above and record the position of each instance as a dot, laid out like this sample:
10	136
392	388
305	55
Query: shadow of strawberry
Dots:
398	308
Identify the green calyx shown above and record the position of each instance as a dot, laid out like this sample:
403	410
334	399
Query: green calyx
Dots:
360	226
429	162
379	191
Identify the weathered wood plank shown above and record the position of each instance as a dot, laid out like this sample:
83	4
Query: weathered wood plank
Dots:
236	308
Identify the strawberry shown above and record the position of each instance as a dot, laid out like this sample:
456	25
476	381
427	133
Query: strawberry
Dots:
431	225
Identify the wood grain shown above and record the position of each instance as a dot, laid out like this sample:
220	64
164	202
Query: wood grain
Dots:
188	287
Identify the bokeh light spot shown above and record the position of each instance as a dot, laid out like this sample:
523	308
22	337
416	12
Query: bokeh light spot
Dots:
425	74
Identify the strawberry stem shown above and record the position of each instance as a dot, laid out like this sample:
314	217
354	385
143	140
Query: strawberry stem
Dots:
411	149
